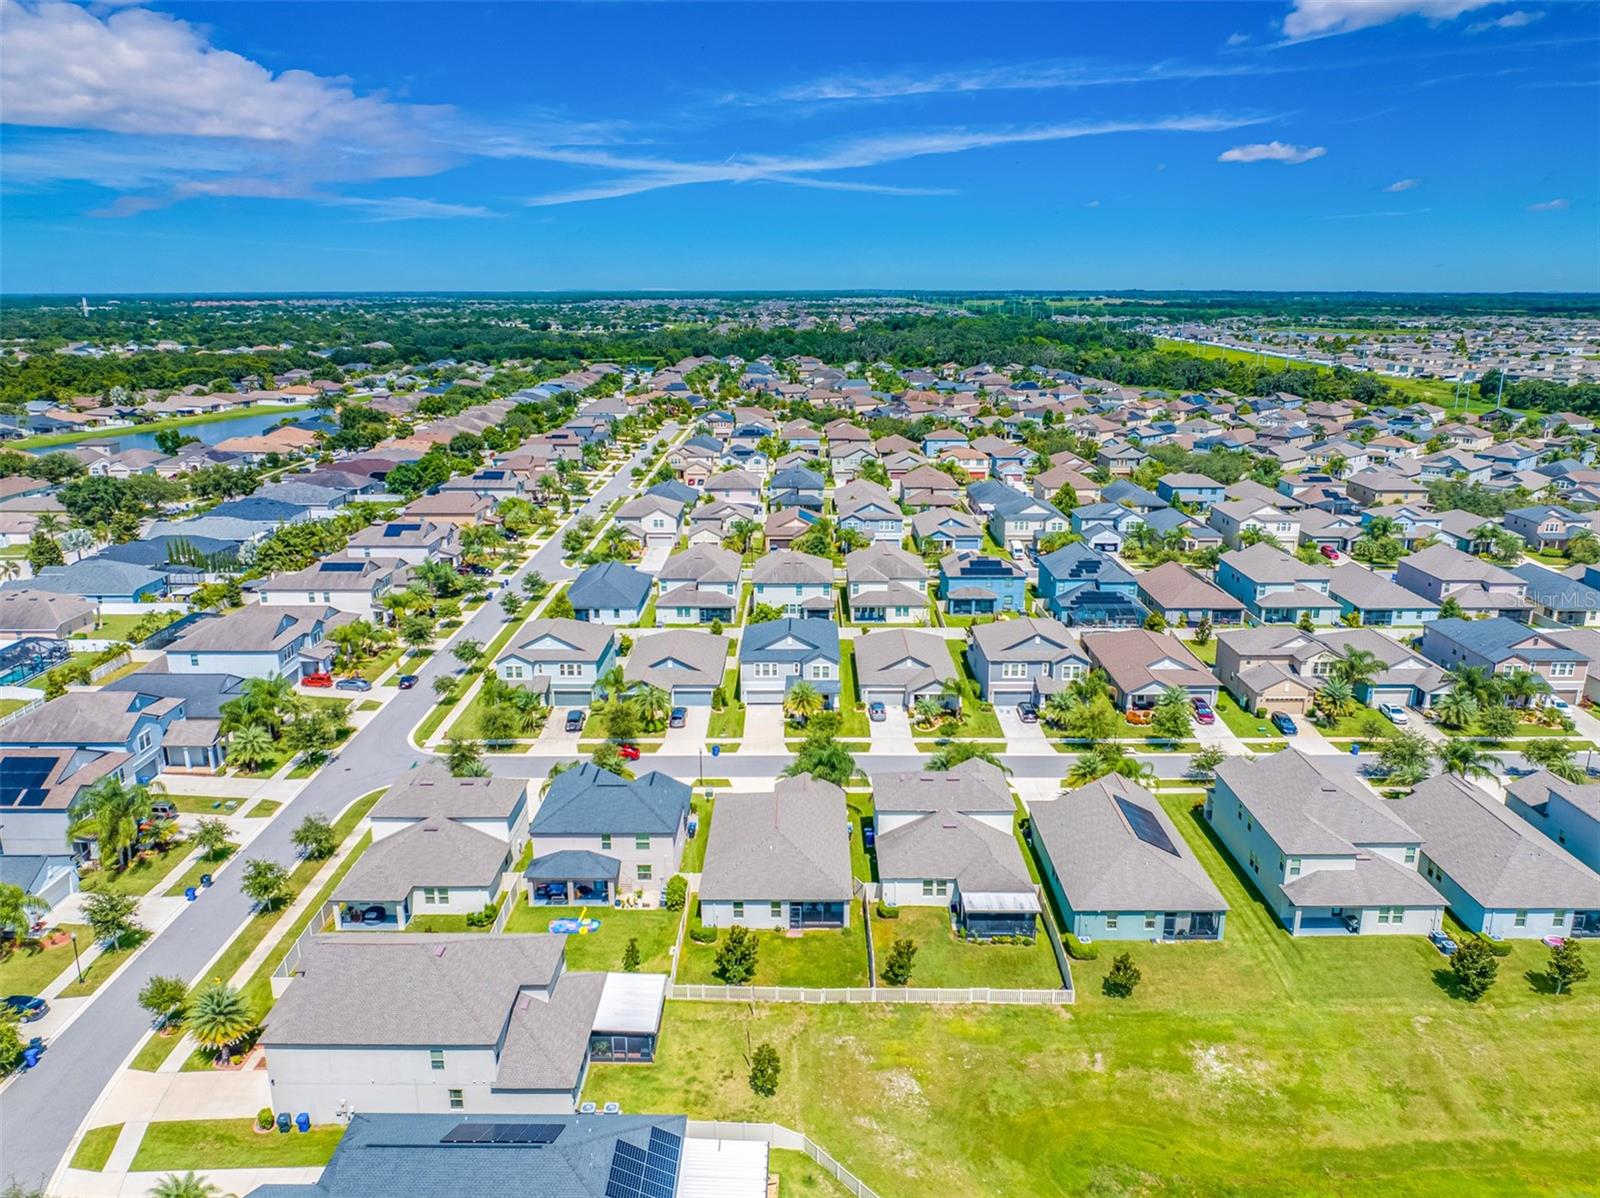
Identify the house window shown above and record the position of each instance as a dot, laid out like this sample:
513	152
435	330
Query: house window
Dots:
1562	669
776	910
1149	921
514	671
435	1058
644	873
144	739
457	1100
1111	921
738	910
194	659
1294	867
641	843
1071	671
1255	865
1411	856
1014	669
571	669
1520	920
1558	917
605	841
767	669
927	887
821	671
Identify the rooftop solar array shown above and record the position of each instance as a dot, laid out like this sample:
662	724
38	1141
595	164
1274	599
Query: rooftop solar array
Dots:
481	1134
981	566
1146	827
22	781
650	1172
397	530
342	567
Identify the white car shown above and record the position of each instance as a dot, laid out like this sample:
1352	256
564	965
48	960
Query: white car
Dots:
1394	713
1558	704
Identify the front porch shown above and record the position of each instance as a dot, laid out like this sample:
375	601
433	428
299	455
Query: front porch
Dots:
572	878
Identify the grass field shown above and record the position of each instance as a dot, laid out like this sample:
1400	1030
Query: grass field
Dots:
141	875
943	960
1241	722
823	957
230	1144
801	1177
28	969
1327	1066
95	1148
602	950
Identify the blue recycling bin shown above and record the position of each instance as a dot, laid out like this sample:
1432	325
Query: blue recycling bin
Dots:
303	1121
190	894
30	1057
716	750
283	1122
1355	748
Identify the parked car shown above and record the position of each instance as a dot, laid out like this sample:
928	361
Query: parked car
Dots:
575	720
1443	943
1027	713
678	718
877	712
26	1007
1282	722
407	681
1203	712
1558	704
353	684
323	680
628	752
1329	552
1394	713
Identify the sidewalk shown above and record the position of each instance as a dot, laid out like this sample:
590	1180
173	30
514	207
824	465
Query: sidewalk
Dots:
76	1183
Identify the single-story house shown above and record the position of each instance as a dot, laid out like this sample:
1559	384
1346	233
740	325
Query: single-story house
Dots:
610	593
897	668
687	664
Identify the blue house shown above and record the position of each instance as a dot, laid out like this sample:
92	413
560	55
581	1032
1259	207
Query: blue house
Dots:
1277	588
945	529
1190	488
796	486
610	593
973	584
941	439
1082	586
1015	519
777	654
100	579
1131	495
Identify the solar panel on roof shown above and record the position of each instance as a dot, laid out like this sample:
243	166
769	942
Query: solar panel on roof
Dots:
22	781
645	1173
342	567
1145	826
468	1133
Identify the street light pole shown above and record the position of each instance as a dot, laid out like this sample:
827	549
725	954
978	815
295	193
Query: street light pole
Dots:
76	964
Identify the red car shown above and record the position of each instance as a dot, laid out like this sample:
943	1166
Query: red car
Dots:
317	680
1329	552
1203	712
629	752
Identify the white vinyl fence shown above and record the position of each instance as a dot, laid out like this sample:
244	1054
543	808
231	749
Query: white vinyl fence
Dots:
776	1135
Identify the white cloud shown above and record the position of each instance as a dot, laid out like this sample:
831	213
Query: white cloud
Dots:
1384	213
1403	185
1092	204
1237	39
641	174
1512	20
1272	151
1557	205
1323	18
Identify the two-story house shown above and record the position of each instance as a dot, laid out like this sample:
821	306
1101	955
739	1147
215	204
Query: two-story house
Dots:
610	593
559	657
259	641
652	519
1019	661
1277	588
125	728
1558	600
777	654
1441	573
1088	588
886	585
410	541
944	530
1567	812
349	584
698	586
640	823
1281	668
1016	519
870	510
799	583
1235	517
975	584
1499	644
1546	526
1329	857
1189	488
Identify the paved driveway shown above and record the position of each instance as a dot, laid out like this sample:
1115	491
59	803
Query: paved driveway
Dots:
763	729
691	738
654	558
893	733
1020	737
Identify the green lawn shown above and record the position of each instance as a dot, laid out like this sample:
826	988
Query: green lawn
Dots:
727	724
1206	652
824	957
204	1144
1241	722
263	809
863	865
655	930
94	1150
205	865
28	969
694	851
944	960
1337	1065
142	875
7	706
201	804
801	1177
374	668
97	972
120	628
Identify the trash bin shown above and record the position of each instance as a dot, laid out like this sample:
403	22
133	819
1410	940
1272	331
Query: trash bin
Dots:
190	894
30	1057
283	1122
303	1121
205	879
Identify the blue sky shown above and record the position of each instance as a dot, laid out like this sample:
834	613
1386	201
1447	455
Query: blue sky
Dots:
1286	144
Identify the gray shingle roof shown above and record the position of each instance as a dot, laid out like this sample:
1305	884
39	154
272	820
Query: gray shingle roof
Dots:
895	657
558	640
590	801
791	845
1031	638
1308	809
768	641
1557	591
430	792
1367	590
431	852
787	567
610	585
680	657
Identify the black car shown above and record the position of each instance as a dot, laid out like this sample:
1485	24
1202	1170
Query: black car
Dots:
575	721
678	718
1027	713
26	1007
407	681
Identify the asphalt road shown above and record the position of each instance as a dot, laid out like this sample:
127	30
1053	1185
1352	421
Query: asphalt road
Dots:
42	1109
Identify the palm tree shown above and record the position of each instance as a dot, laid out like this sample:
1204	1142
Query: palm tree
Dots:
218	1017
1106	759
1092	685
186	1185
655	704
465	758
1553	756
953	755
16	906
1456	710
802	702
1464	759
1336	698
612	682
928	709
110	815
1522	686
742	530
250	746
1476	682
1058	707
1358	667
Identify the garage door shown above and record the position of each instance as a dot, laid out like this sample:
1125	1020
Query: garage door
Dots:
685	696
1291	706
571	697
889	696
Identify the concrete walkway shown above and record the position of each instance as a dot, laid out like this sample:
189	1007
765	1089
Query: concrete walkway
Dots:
763	729
76	1183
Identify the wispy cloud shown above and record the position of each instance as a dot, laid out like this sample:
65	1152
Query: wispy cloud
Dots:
1272	151
636	175
1380	214
1237	39
1556	205
1403	185
1512	20
1325	18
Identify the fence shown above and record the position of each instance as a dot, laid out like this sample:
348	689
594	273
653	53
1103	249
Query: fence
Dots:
109	667
31	705
776	1135
990	995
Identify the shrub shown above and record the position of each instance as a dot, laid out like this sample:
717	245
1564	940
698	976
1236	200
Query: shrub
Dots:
630	957
737	956
484	918
1261	713
764	1069
716	627
719	699
1498	948
887	910
1474	967
897	966
1078	950
677	892
1122	977
700	934
264	1118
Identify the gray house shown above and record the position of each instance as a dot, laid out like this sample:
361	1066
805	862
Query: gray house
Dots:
898	667
1567	812
799	583
641	823
1120	869
886	585
687	664
1500	877
698	586
1018	661
610	593
779	860
775	655
560	657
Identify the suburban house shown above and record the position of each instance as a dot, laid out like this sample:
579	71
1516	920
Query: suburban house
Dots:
1338	531
1238	516
127	724
946	840
1544	526
652	519
440	846
1018	661
1085	587
1327	855
1377	601
975	584
1182	597
1559	600
687	664
1120	457
737	486
1008	461
1119	868
1440	573
40	796
1378	488
27	613
1500	877
412	541
1105	526
929	487
946	531
1128	494
259	641
561	658
699	585
779	860
1498	645
356	585
783	527
638	824
886	585
1281	668
798	583
1190	488
1566	812
1016	520
610	593
795	486
868	509
1277	588
487	1024
98	580
775	655
1142	666
897	667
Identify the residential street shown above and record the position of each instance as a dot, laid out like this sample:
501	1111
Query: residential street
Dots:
44	1107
